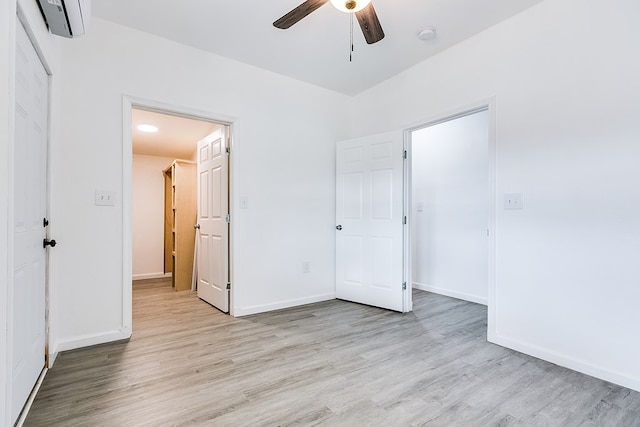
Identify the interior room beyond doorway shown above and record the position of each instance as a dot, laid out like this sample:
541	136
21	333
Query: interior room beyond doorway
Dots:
164	177
450	207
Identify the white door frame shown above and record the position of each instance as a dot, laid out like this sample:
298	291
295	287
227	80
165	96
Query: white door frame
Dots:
488	105
129	103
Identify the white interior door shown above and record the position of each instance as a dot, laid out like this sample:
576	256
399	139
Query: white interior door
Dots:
29	210
369	220
213	207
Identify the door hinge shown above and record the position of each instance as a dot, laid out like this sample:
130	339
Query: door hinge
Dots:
45	222
228	151
404	285
227	218
404	220
228	285
404	154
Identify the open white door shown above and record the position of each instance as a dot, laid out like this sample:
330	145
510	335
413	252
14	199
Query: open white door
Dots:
27	343
213	209
369	220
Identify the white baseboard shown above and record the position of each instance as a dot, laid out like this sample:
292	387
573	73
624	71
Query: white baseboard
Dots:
52	358
450	293
150	276
86	341
246	311
567	362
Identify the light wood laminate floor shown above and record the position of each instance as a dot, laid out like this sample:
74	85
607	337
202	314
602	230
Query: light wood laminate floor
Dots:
333	364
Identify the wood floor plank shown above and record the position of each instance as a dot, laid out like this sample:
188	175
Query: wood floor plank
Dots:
332	363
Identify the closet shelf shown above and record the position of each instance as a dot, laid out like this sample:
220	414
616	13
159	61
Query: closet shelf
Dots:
179	239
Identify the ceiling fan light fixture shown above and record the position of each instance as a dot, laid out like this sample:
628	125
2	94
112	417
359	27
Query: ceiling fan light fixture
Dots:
350	6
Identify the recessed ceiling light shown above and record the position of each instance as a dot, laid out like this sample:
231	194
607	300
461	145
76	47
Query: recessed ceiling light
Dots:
427	34
147	128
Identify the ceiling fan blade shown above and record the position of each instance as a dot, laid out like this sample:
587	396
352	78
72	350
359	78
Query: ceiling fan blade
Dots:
370	24
298	13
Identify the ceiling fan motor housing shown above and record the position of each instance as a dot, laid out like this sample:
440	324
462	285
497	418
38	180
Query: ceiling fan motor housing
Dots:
349	6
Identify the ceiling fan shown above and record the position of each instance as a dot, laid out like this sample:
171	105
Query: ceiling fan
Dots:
363	10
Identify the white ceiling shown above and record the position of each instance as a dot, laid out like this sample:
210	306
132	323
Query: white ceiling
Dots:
316	49
176	137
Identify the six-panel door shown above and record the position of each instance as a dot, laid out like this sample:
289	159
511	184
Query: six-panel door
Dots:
369	221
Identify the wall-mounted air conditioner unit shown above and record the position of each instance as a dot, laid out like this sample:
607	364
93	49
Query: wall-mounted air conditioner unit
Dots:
66	18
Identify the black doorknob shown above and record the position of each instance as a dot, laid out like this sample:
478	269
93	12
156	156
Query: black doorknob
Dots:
46	243
338	227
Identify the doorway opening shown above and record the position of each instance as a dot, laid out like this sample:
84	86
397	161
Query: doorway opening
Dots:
163	186
164	193
450	205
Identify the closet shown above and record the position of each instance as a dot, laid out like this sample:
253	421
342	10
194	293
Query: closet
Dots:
180	196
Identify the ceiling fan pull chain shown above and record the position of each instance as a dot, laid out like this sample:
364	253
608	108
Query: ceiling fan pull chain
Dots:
351	38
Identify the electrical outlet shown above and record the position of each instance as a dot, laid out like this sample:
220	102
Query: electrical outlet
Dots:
513	201
105	198
306	267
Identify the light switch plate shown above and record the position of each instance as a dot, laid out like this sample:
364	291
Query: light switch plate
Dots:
513	201
244	202
105	198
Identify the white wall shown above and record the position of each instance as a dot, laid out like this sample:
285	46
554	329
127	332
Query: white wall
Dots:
282	160
49	51
7	35
147	224
567	132
450	180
